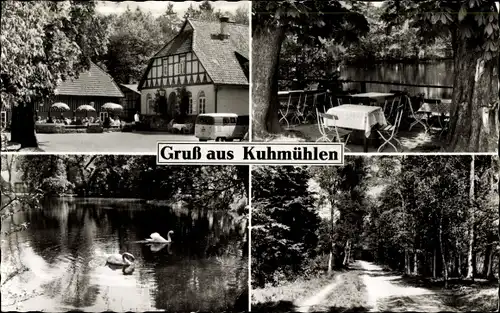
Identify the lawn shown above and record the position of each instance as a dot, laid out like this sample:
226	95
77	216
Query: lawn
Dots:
283	298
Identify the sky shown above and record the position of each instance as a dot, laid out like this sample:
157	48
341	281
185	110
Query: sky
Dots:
159	7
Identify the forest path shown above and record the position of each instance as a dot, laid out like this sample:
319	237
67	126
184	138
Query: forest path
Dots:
388	292
307	304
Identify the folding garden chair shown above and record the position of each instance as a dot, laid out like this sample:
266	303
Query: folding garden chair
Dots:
389	132
421	119
339	133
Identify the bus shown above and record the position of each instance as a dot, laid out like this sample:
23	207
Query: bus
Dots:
221	126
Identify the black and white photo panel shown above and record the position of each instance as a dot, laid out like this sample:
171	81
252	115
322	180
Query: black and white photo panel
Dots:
379	76
119	76
381	233
117	233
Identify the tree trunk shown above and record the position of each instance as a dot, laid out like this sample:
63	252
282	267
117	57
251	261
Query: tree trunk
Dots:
458	258
472	127
470	255
407	262
441	247
347	252
330	261
489	269
266	47
434	259
415	263
23	126
498	264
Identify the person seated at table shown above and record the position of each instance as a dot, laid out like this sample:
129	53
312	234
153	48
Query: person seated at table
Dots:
49	120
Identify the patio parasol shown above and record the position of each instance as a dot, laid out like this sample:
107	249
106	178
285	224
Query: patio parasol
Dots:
112	107
59	107
85	108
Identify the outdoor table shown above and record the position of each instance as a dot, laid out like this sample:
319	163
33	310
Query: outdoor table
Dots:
179	127
358	117
440	110
374	95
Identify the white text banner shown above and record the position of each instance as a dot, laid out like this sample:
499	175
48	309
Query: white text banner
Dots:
250	153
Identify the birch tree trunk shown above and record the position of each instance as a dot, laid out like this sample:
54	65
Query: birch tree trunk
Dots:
470	255
441	246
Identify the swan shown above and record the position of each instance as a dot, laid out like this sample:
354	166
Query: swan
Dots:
128	269
121	259
155	237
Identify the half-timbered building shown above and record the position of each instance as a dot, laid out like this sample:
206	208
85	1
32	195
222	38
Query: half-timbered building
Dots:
208	59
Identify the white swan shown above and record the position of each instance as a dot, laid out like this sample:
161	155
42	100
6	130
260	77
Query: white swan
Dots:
121	259
155	237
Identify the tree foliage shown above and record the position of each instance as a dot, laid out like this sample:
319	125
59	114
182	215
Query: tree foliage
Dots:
45	42
473	26
421	223
284	223
134	177
310	22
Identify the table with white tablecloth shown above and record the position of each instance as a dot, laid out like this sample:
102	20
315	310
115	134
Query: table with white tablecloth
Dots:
358	117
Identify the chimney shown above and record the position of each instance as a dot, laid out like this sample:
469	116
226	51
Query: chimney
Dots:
223	23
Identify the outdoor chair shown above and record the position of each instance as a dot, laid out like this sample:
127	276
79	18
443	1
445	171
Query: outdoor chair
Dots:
390	131
396	101
344	100
342	135
418	117
439	123
365	101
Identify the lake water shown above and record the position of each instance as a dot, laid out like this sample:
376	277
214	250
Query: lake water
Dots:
61	258
435	73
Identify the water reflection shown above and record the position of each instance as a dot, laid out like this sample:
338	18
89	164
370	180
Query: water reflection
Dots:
62	256
436	73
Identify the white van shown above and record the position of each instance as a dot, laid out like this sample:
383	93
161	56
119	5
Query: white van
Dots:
221	126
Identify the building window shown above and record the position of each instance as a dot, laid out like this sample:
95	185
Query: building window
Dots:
4	119
201	102
181	66
165	67
150	106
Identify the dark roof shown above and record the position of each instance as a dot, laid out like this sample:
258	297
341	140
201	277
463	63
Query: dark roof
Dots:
132	87
94	82
218	56
182	44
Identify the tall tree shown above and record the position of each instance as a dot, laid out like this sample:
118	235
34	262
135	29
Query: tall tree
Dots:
471	255
272	21
284	223
136	36
43	43
474	30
